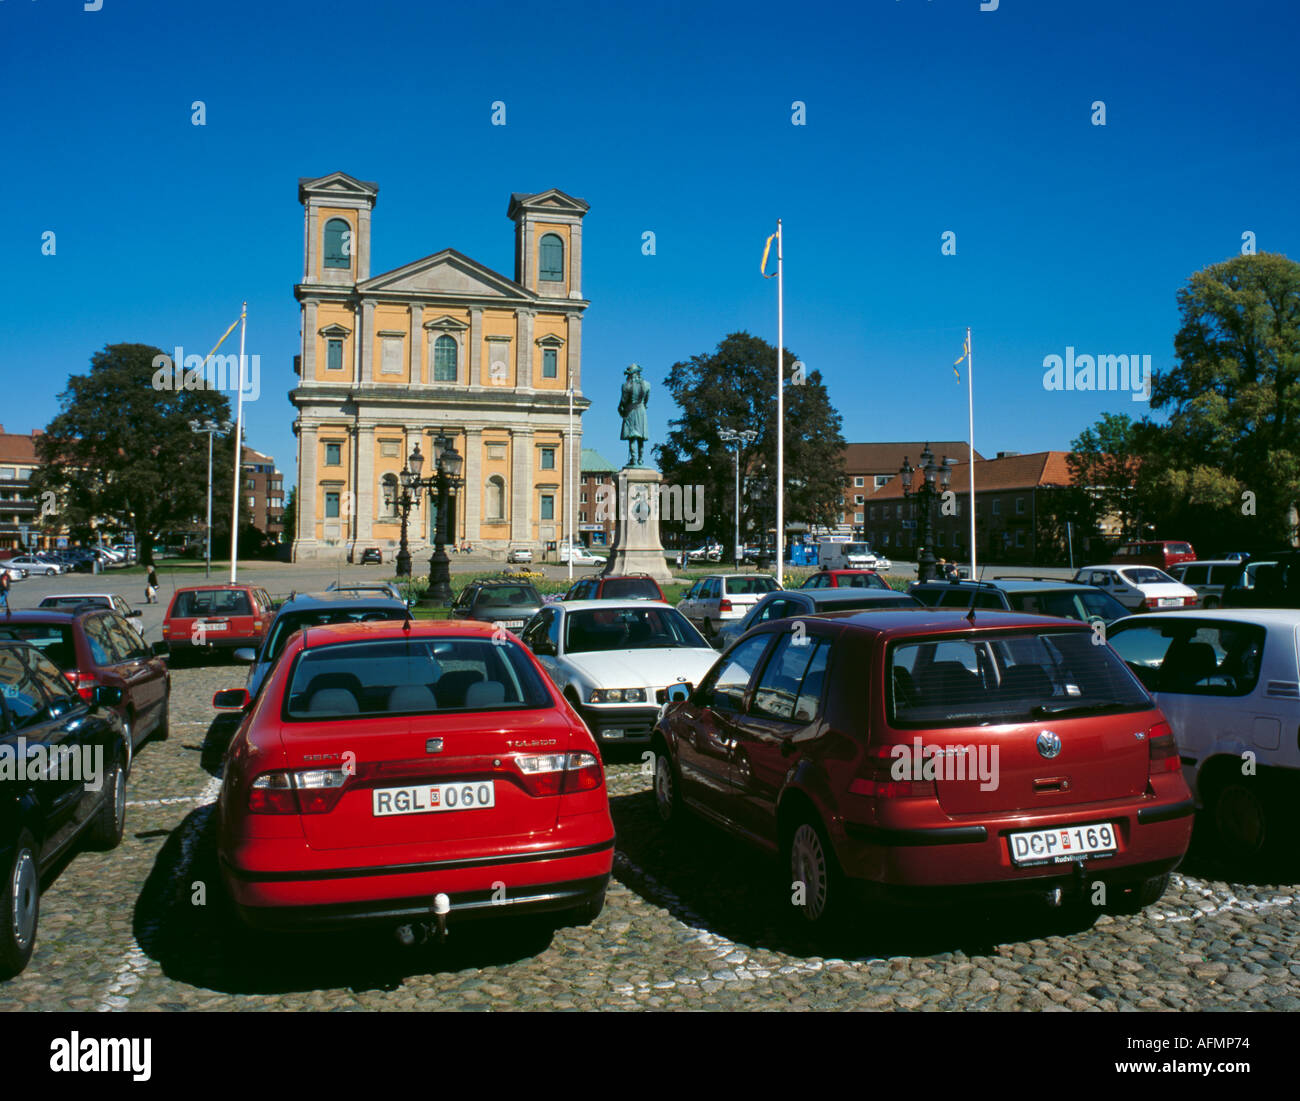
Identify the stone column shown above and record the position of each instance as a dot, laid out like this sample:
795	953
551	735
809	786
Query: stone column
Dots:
363	246
521	485
475	347
309	339
524	350
575	260
304	543
366	334
472	499
415	353
364	494
573	346
313	244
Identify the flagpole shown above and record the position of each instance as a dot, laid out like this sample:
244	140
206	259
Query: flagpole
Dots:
239	436
780	411
970	441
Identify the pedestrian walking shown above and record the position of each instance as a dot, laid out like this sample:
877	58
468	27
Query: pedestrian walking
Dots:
151	586
4	588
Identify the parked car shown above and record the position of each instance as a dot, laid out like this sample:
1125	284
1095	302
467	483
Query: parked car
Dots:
468	773
305	610
1209	578
1161	553
1229	682
902	755
383	588
94	647
1035	595
614	660
789	604
520	554
223	617
1269	581
720	598
846	579
1139	588
31	565
846	555
16	573
639	586
118	604
508	603
371	556
43	819
125	550
581	556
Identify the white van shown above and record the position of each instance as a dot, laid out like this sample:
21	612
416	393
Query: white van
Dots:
846	556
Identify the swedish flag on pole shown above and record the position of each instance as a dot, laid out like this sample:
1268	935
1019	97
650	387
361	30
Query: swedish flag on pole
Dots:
965	351
970	415
780	395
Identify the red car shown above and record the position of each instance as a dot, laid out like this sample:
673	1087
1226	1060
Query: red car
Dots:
845	579
396	773
1161	553
217	617
907	754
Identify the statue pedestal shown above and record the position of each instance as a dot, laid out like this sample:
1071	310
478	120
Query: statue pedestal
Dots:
636	547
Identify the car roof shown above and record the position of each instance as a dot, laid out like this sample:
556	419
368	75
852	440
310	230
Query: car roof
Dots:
1208	562
907	622
380	629
219	585
1271	617
608	605
840	596
1012	584
80	596
336	597
41	615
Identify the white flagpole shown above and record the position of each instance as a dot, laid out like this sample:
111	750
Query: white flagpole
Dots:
970	439
780	411
568	491
239	447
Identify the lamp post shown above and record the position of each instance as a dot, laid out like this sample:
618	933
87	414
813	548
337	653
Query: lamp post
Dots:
742	438
447	465
934	480
409	479
209	428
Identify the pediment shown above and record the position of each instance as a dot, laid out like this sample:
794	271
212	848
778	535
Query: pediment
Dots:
553	199
337	183
446	323
446	273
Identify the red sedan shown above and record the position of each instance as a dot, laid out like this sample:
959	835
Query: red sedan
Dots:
400	772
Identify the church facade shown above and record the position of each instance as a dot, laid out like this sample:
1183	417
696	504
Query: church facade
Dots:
440	347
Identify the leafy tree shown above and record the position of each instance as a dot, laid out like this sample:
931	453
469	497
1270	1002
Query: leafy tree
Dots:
732	387
290	519
122	451
1105	464
1233	401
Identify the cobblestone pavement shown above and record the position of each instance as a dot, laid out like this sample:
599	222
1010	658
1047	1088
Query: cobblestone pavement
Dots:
698	921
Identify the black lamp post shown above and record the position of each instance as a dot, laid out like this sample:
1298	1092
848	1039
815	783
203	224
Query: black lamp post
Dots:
448	462
411	484
935	478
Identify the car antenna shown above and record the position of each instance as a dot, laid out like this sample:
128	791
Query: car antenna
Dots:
974	592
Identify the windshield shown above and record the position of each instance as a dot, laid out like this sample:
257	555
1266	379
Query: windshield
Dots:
988	679
629	588
860	581
286	624
1083	604
749	586
212	602
420	676
857	548
628	629
1137	575
74	601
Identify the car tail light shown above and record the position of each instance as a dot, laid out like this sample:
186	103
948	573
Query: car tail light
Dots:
880	777
1151	602
84	683
559	773
1163	750
725	605
166	629
311	791
1189	602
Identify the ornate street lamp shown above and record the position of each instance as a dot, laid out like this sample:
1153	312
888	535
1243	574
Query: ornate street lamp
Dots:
742	438
934	481
411	485
447	463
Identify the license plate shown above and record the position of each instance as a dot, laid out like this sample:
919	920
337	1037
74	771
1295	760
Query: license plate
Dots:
1060	846
510	624
1171	602
611	733
214	626
428	798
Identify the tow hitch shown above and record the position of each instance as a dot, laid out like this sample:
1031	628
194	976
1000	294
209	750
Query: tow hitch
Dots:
418	932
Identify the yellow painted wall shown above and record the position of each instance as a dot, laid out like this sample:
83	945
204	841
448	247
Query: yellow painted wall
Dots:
498	323
329	313
396	319
340	476
550	324
553	290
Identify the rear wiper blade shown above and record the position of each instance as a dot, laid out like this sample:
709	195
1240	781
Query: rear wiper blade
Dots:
1044	710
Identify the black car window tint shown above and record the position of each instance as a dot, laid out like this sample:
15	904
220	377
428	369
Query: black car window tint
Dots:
733	673
24	701
53	640
812	689
102	650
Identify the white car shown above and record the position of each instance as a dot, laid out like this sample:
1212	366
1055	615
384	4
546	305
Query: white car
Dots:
1139	588
1208	577
16	573
520	554
581	557
615	660
1229	683
721	598
31	564
68	601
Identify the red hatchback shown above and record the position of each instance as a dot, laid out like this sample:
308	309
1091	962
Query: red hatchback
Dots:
845	579
906	752
217	616
400	772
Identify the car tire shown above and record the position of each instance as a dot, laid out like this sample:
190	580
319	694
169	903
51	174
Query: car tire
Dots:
20	907
709	633
667	789
812	864
108	825
1242	820
1136	897
163	729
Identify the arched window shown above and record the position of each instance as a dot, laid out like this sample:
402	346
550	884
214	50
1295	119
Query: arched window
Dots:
496	498
389	489
550	254
338	243
444	359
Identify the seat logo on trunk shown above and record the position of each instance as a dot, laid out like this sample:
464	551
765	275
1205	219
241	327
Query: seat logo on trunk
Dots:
1049	744
433	745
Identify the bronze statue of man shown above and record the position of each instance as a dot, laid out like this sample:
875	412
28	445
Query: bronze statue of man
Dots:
632	408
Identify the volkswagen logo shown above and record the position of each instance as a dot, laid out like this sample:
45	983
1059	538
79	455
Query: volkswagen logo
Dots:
433	745
1049	744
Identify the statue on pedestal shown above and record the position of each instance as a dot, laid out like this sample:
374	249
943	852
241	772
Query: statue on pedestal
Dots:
632	408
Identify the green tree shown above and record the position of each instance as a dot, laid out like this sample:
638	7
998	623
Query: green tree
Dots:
121	452
1229	461
1105	465
733	387
290	520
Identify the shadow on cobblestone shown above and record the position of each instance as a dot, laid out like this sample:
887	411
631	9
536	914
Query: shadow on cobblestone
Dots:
205	945
715	883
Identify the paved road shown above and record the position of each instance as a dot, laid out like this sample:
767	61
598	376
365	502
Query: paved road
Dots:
694	922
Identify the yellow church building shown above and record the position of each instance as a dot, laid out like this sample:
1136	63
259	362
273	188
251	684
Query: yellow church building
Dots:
439	346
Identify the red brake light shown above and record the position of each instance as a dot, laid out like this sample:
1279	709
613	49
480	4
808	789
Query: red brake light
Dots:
1152	602
1189	601
311	791
1163	750
84	683
559	773
886	776
725	605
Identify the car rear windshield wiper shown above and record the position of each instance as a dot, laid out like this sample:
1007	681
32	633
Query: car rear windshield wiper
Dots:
1046	710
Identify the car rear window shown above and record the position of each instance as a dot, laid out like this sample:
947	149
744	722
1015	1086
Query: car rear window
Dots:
212	602
631	588
503	596
286	624
1136	575
75	602
861	581
53	640
419	676
987	679
628	629
749	586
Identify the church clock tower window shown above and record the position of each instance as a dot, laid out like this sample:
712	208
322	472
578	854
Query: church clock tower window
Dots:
551	258
338	243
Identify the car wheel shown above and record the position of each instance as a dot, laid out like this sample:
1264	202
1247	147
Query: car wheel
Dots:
1240	818
109	823
709	633
163	729
1136	897
20	907
815	879
668	788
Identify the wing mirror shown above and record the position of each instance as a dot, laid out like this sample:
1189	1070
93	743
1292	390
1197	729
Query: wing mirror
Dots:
680	693
244	655
232	699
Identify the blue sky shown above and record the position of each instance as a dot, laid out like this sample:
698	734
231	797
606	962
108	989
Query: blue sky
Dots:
922	116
